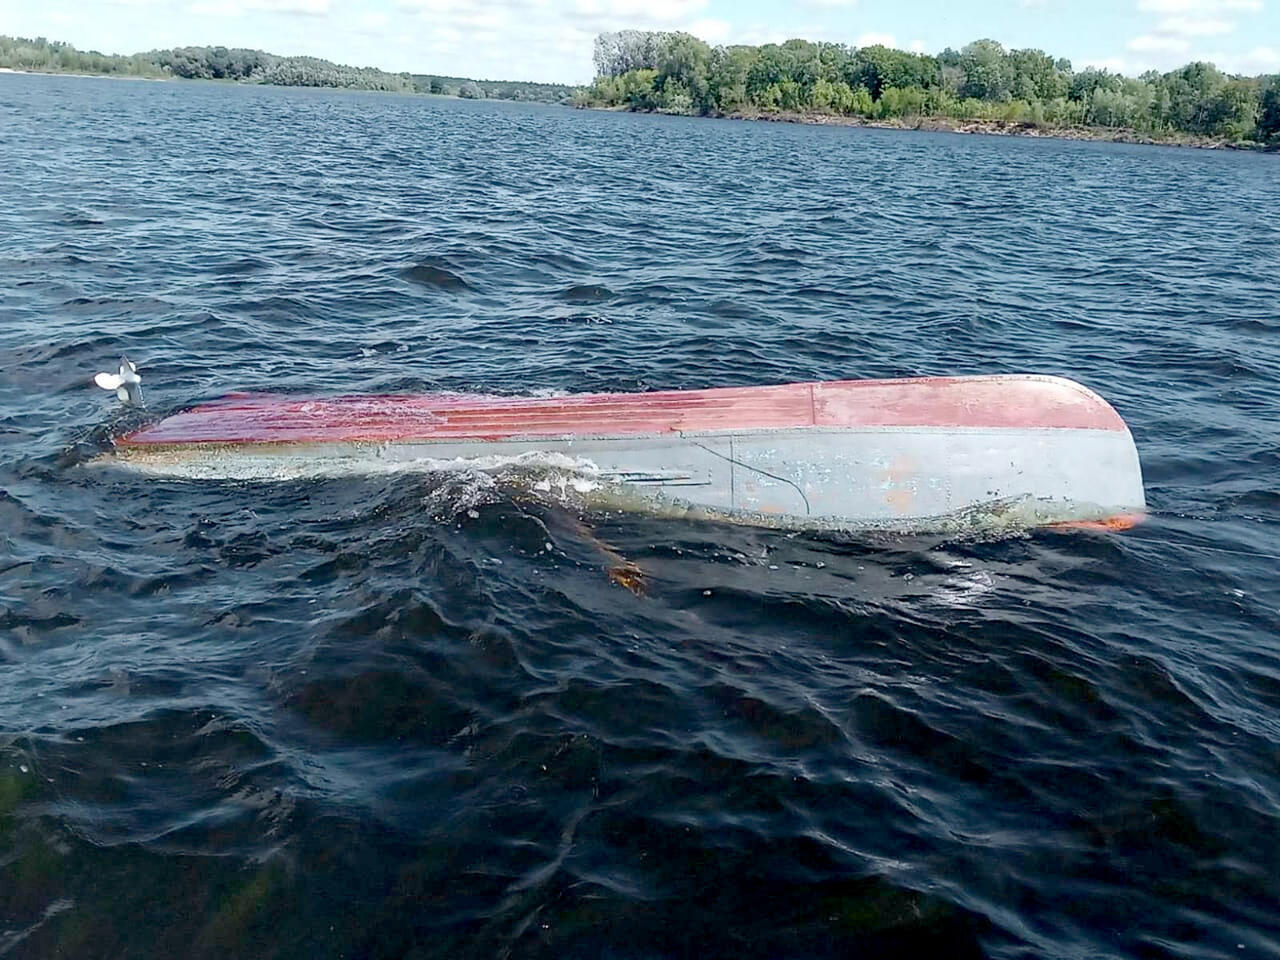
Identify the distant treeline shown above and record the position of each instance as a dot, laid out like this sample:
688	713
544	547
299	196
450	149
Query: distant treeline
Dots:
19	53
678	73
494	89
257	66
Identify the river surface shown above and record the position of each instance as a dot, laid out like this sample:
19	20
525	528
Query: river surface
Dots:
410	716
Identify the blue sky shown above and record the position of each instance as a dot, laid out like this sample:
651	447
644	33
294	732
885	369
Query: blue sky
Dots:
551	39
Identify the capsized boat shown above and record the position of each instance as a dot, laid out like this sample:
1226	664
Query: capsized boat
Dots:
913	454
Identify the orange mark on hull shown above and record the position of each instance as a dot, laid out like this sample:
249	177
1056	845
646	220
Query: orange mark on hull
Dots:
628	575
1116	524
900	478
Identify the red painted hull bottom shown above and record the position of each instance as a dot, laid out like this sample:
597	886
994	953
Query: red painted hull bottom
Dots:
951	402
860	453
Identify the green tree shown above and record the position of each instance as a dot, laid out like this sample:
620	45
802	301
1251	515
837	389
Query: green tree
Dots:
1189	93
626	50
1081	85
833	60
823	95
1269	112
771	66
791	95
1037	76
1111	108
862	105
770	98
638	89
987	74
673	97
727	78
683	64
1233	110
877	67
901	102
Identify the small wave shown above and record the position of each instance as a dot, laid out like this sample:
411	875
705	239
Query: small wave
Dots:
586	293
242	266
79	219
430	275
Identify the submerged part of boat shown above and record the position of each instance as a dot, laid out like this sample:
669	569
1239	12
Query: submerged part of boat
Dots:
914	454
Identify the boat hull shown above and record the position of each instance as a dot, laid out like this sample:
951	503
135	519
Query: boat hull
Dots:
905	454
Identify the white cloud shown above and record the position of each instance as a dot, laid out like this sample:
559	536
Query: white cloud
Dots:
545	39
1113	64
234	8
1199	6
917	46
1154	43
712	31
584	16
871	39
1255	61
1194	27
1168	41
637	12
313	7
754	35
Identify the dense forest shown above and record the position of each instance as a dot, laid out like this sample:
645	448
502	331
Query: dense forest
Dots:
257	66
678	73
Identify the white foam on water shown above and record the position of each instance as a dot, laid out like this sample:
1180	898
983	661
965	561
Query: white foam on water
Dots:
233	463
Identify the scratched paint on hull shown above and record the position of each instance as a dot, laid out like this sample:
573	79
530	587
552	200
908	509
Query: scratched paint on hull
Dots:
959	402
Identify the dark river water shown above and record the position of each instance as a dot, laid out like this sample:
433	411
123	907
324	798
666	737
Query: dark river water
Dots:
410	716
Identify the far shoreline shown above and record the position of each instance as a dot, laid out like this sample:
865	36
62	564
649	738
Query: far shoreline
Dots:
84	76
927	124
995	128
1012	128
229	82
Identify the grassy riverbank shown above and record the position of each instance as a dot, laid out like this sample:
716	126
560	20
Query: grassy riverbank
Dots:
1008	128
